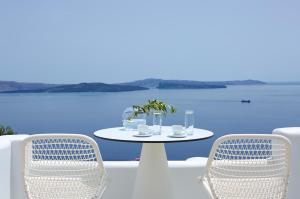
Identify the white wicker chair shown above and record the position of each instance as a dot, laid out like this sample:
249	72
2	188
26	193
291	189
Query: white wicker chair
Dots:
63	166
248	166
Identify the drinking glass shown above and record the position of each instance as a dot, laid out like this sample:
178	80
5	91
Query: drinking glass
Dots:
157	122
189	122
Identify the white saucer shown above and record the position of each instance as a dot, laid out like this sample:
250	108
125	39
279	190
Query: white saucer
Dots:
143	135
177	136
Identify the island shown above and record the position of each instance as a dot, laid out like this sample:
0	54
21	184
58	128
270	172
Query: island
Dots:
173	84
19	86
188	84
139	85
82	87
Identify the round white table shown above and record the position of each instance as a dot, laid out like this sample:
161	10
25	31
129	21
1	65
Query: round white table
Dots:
152	180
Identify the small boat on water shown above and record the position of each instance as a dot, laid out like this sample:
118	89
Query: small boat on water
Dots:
245	101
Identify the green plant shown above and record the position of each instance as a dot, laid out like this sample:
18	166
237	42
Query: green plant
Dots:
6	130
152	106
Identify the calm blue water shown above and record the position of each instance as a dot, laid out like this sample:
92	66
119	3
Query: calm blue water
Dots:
217	110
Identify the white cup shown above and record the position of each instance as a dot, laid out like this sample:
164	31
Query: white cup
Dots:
143	129
177	129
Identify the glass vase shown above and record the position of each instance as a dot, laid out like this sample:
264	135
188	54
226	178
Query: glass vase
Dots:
131	122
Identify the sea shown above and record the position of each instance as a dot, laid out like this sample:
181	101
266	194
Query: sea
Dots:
217	110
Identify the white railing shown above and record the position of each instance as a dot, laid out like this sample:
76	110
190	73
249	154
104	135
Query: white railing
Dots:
122	173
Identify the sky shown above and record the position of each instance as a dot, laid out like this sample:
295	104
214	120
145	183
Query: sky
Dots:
72	41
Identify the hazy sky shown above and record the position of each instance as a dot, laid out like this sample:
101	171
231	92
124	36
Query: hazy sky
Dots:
118	40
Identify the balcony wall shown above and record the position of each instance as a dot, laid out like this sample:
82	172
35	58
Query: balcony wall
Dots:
121	173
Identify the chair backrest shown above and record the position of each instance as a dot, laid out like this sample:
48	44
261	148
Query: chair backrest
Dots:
249	166
63	166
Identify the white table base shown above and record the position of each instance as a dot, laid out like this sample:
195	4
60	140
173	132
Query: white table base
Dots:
152	180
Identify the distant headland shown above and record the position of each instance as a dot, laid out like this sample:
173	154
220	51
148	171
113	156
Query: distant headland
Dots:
151	83
188	84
